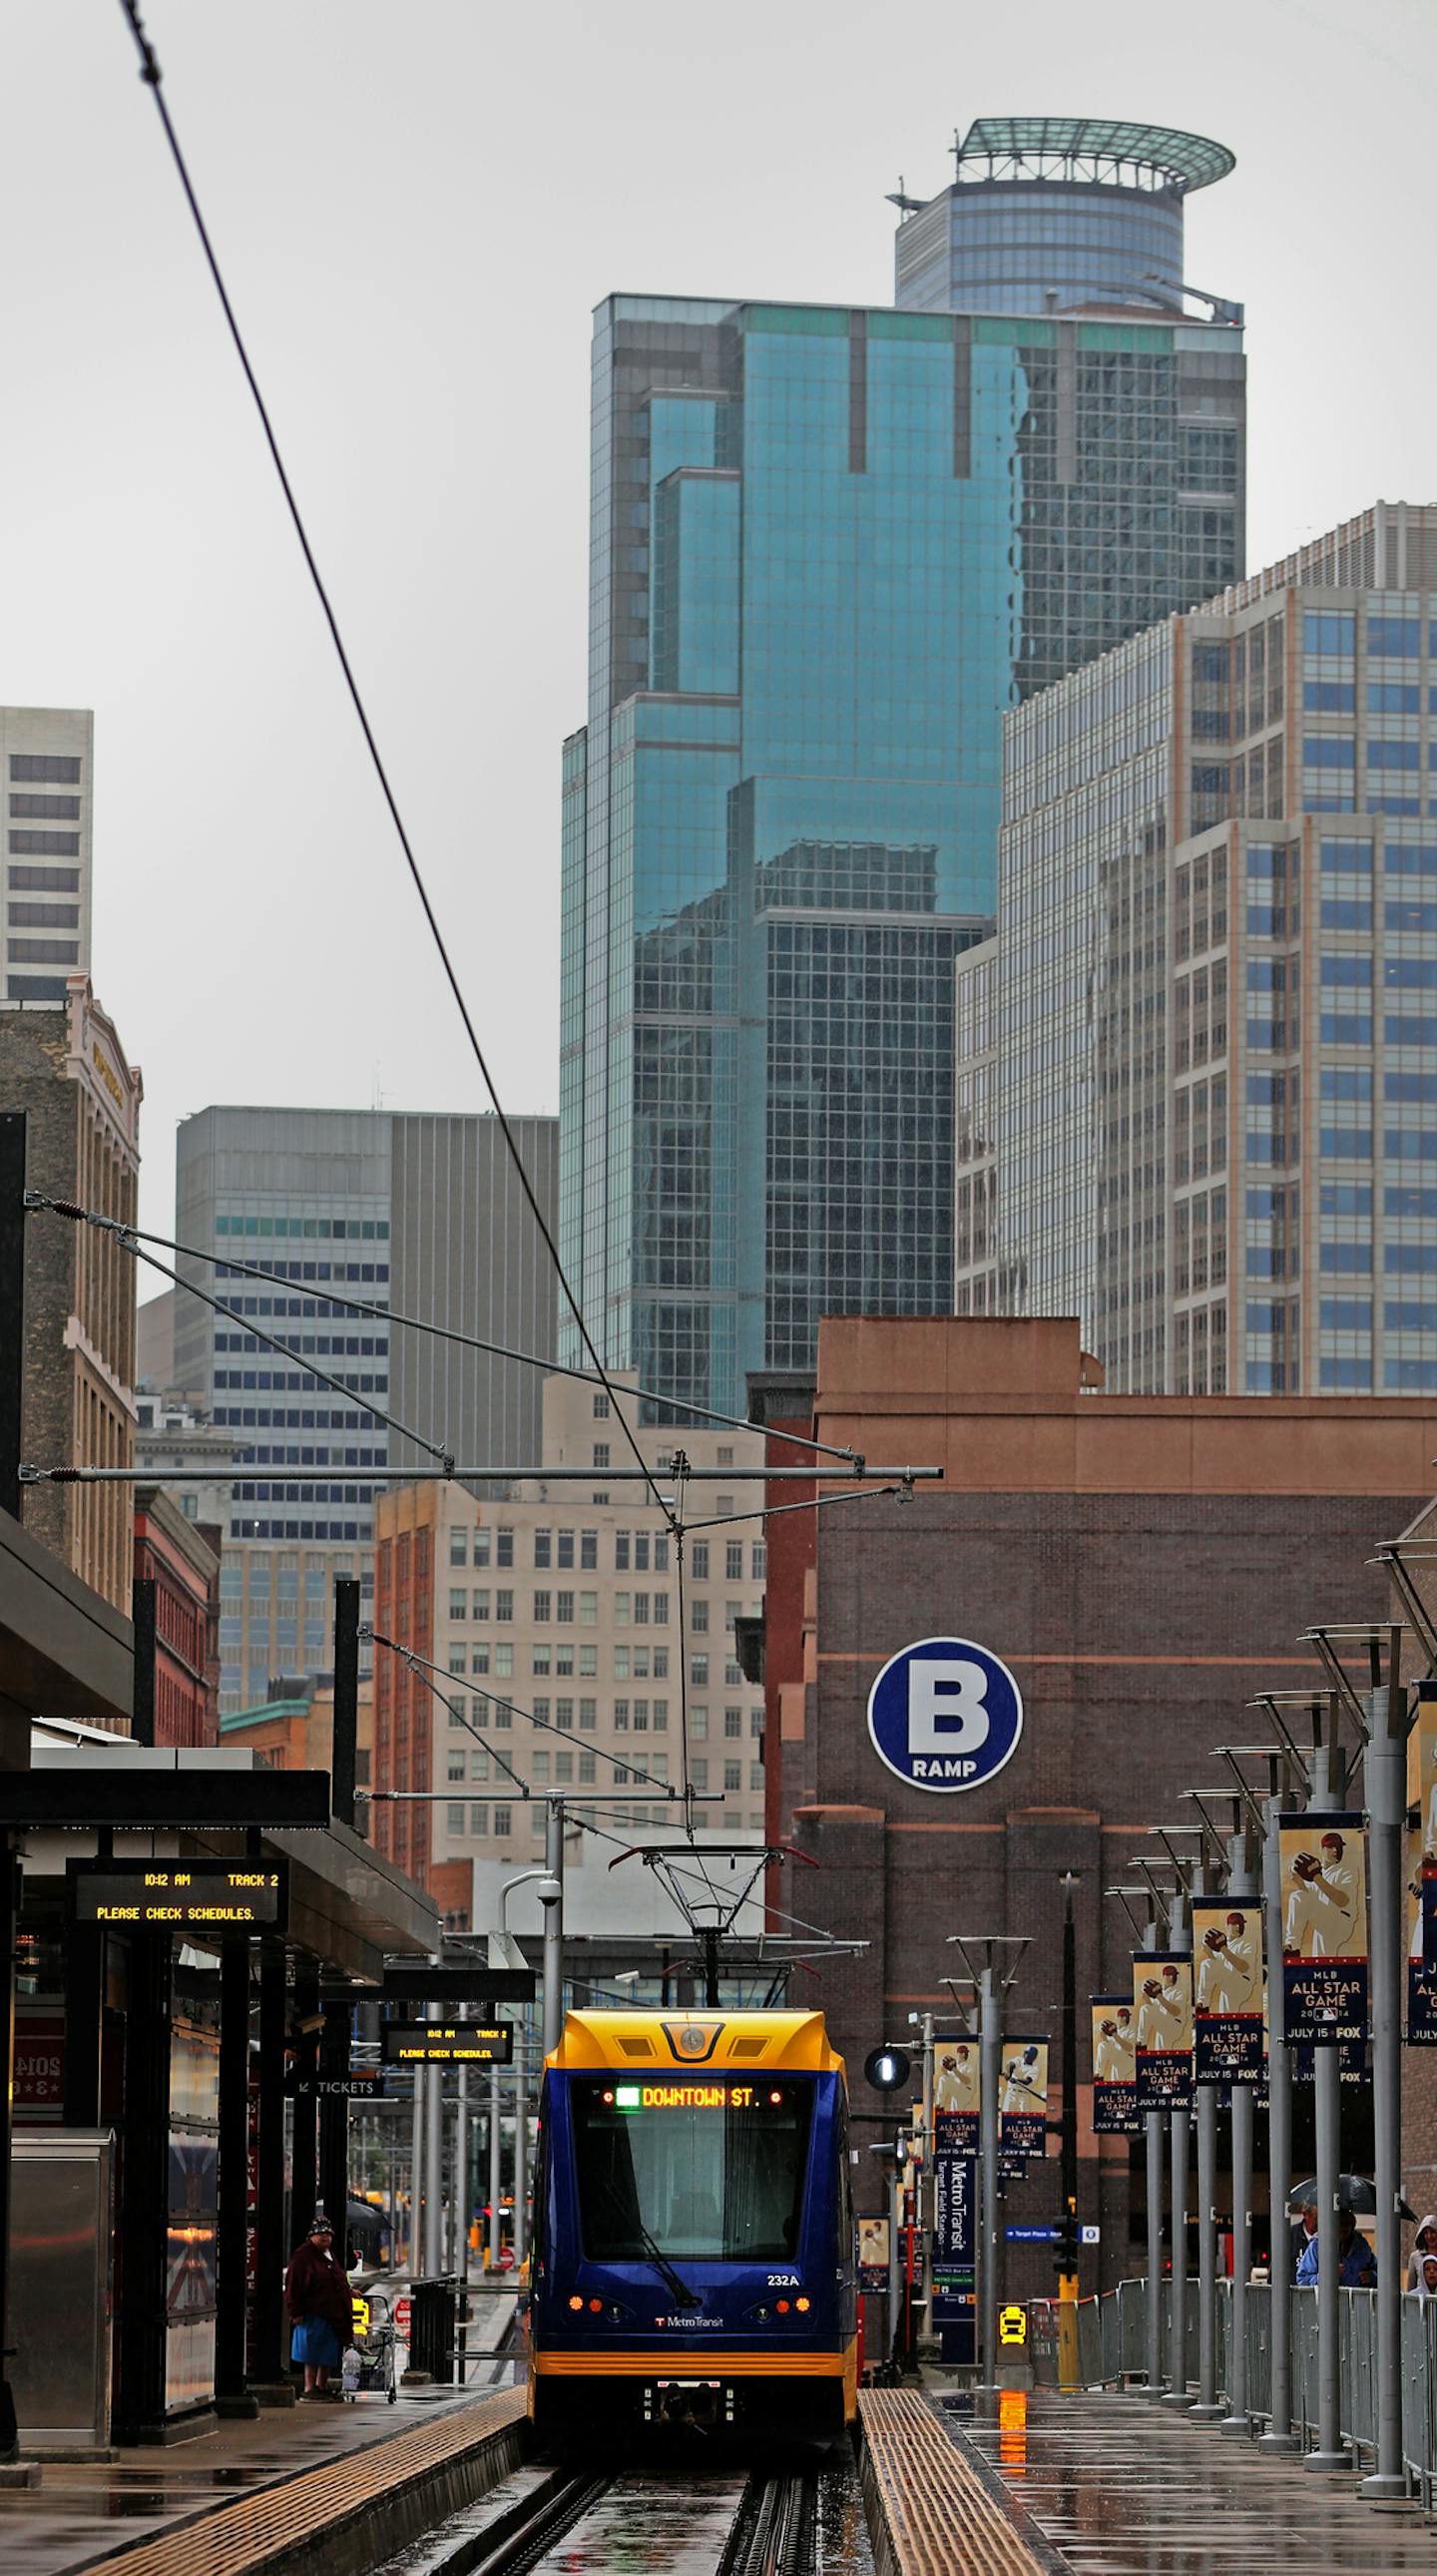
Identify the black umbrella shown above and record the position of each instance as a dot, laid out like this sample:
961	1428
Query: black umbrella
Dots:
1354	2192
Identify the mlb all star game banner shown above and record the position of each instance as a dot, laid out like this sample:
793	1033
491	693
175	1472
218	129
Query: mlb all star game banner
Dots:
1023	2101
1227	1989
1115	2104
1324	1928
955	2096
1163	2004
873	2253
1422	1794
1421	2031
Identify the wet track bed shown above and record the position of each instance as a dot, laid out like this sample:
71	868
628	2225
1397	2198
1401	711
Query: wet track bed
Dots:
676	2520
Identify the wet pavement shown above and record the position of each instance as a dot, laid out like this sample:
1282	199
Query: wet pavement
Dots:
1118	2486
83	2510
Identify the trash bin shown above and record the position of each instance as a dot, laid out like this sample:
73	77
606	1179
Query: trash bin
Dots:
432	2326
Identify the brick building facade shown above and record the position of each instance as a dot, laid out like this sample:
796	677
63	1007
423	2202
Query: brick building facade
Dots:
1144	1565
66	1069
182	1559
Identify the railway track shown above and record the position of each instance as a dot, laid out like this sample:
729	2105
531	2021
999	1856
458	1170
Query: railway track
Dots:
544	2520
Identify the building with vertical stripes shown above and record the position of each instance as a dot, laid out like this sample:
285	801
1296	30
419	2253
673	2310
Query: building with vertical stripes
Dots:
421	1214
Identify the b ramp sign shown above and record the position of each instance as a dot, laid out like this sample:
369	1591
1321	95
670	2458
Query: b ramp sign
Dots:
945	1714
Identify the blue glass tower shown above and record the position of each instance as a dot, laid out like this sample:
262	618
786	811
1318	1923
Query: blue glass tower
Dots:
828	549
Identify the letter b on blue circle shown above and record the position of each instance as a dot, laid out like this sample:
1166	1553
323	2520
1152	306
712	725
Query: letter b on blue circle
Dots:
945	1714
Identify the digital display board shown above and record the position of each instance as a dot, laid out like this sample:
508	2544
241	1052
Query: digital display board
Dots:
205	1896
439	2043
693	2097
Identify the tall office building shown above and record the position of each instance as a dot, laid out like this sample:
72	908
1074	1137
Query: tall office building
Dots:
829	548
1200	1110
561	1604
420	1213
47	754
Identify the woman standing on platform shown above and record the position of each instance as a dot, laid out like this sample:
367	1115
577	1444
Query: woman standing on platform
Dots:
321	2310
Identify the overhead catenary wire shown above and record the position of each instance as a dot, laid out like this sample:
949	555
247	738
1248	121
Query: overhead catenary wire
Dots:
424	1665
309	1366
151	75
326	1294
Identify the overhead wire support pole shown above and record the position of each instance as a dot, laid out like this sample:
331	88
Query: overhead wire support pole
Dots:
451	1474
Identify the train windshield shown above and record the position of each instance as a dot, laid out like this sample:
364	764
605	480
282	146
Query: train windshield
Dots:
705	2172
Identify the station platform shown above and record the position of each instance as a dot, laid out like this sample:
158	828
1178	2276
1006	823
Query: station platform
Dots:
1109	2485
248	2494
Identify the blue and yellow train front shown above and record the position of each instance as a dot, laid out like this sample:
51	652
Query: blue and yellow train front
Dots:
693	2232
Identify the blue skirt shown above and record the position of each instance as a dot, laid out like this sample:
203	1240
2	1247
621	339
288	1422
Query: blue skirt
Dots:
316	2344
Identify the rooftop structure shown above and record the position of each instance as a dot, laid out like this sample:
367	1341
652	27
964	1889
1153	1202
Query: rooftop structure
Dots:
1050	214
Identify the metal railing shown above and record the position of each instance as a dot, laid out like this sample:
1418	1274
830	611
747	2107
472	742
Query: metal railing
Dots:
1120	2347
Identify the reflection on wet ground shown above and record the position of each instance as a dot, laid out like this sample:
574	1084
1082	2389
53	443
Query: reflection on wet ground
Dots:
71	2516
1121	2487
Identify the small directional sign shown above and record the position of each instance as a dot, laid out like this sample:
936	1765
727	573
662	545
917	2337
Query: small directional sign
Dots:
357	2084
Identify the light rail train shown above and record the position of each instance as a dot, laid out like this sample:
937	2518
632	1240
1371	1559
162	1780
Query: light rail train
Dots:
693	2250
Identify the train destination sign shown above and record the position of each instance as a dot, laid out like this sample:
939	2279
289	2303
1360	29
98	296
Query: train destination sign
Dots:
179	1896
945	1714
439	2043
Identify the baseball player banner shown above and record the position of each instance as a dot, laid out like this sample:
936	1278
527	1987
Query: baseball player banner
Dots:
1422	1794
1324	1928
956	2084
1163	2003
1227	1990
874	2239
1115	2104
1023	2100
1421	2031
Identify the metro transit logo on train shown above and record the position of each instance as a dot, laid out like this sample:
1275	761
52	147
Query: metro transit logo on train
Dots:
945	1714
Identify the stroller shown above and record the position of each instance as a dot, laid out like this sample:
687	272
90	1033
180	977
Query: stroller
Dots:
369	2364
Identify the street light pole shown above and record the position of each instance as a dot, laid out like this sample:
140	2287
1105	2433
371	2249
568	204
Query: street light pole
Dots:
1179	1938
1242	1889
1384	1772
1329	2457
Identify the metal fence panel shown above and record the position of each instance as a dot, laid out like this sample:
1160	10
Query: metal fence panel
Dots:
1091	2364
1259	2350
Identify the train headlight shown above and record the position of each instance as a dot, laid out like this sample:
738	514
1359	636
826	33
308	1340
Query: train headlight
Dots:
576	2302
803	2306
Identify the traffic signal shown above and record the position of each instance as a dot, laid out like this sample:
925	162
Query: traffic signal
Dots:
1065	2247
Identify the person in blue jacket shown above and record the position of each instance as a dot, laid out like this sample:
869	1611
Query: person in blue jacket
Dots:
1356	2262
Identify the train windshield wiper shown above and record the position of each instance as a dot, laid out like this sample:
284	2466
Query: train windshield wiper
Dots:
686	2297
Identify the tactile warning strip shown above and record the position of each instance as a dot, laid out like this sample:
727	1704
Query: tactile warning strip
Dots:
930	2513
259	2529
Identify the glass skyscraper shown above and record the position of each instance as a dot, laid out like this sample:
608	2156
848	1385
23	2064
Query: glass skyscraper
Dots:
829	548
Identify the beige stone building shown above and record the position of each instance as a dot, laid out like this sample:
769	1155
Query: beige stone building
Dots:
563	1601
64	1066
48	760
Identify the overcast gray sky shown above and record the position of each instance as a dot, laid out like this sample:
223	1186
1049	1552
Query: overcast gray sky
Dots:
417	206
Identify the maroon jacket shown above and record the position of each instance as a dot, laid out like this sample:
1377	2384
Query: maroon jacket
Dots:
316	2286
